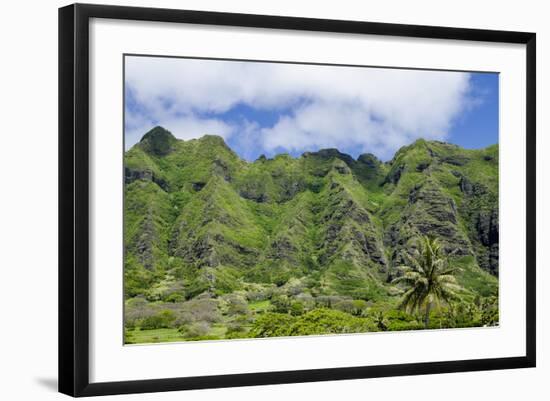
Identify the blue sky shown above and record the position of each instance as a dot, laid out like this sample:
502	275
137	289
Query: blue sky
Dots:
269	108
478	127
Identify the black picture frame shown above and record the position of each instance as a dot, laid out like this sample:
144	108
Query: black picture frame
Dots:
74	198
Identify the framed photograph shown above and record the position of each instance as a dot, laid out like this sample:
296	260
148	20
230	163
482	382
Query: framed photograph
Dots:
251	199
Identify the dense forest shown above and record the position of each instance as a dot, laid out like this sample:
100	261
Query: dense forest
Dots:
216	247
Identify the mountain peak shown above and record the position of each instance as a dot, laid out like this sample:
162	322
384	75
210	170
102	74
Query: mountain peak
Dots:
213	139
211	142
158	141
331	153
369	160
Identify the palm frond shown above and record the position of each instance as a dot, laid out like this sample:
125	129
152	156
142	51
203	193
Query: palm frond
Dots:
428	277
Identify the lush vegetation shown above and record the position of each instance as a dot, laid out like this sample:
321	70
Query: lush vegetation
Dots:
219	248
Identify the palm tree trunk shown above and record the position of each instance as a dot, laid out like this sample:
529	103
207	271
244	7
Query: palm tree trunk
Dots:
427	316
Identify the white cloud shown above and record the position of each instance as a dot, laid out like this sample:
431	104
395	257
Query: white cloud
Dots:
373	109
330	124
190	127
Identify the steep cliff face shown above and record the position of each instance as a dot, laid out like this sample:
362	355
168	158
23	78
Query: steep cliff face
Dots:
196	211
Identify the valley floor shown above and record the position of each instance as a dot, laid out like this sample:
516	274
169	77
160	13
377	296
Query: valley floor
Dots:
232	316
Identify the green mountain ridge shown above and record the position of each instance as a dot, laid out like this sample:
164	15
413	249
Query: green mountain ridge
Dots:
199	220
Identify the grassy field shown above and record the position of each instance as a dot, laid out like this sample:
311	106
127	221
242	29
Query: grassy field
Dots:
139	336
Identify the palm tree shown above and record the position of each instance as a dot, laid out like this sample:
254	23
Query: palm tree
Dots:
428	277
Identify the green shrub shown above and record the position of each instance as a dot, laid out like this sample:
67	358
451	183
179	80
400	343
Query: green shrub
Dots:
359	307
272	325
198	310
281	303
381	321
318	321
236	329
489	311
194	330
328	321
161	320
236	305
175	297
296	308
346	305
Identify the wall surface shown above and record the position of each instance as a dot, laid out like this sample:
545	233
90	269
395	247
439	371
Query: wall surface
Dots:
28	201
